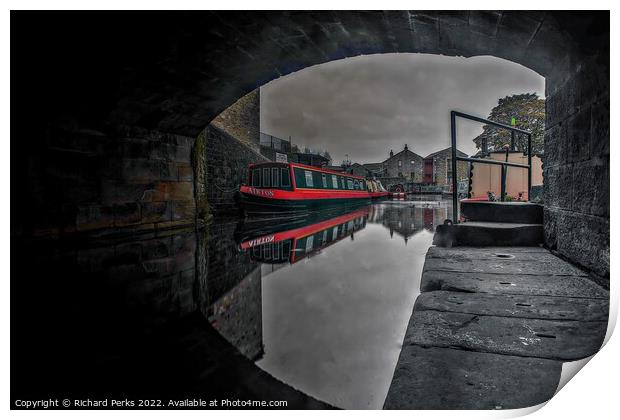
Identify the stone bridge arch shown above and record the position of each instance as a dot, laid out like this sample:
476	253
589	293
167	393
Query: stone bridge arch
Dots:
106	105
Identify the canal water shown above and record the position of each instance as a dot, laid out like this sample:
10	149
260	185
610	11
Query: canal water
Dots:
319	301
335	297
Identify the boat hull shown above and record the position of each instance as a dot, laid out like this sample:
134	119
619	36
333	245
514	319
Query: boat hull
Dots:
257	204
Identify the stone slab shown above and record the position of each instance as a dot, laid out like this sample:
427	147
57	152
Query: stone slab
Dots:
521	306
559	340
570	286
450	379
524	253
547	266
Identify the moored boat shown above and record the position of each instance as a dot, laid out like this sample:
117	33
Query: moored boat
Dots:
276	187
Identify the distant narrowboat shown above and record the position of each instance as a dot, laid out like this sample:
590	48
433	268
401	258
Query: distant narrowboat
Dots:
284	187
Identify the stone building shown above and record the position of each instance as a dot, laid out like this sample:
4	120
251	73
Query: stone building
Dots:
438	168
404	164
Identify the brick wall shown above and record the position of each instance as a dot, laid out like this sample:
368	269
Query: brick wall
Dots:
576	164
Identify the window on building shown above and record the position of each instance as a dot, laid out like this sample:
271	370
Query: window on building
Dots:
309	181
275	177
256	177
400	163
285	177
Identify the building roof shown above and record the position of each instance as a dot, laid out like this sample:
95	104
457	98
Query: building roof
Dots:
401	152
337	168
447	149
374	167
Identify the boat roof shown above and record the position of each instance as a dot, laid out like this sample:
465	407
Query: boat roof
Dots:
314	168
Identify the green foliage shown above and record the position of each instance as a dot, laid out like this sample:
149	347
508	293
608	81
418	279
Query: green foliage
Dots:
529	112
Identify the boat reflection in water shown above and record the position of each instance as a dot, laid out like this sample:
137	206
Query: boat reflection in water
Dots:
292	245
324	299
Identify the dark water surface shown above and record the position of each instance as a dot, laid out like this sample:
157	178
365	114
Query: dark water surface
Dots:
319	302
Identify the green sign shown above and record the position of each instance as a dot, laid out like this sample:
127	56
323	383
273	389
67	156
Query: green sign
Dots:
513	122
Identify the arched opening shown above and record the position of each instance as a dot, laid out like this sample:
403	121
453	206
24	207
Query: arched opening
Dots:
112	150
183	78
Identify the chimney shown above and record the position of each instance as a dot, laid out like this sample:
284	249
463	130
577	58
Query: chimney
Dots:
484	146
406	148
391	153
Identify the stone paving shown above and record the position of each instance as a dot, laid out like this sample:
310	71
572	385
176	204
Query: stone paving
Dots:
493	327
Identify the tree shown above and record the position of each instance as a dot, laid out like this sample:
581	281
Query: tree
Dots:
529	112
327	156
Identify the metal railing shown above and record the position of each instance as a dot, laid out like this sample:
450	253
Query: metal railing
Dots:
275	143
505	165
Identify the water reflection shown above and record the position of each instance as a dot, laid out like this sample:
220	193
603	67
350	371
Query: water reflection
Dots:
320	302
328	308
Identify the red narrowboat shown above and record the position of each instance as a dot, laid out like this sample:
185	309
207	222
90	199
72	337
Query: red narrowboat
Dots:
283	187
295	244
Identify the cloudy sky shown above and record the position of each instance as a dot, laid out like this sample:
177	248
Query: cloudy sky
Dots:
365	106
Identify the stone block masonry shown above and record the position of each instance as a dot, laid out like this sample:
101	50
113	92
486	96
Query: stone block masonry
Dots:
227	168
130	180
576	165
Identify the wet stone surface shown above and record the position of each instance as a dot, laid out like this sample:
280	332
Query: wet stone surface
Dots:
493	326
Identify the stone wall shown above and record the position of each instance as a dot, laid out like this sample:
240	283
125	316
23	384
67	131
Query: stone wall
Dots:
576	164
126	180
241	120
410	162
227	168
441	161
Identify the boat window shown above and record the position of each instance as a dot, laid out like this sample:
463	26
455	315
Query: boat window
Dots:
356	184
267	251
266	177
256	177
286	248
324	179
363	185
286	178
309	182
342	183
334	182
275	177
349	184
309	243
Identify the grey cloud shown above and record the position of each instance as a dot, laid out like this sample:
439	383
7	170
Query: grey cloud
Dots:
365	106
